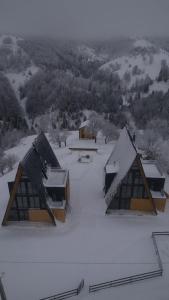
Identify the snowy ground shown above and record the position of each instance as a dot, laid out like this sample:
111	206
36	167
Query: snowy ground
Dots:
148	63
40	260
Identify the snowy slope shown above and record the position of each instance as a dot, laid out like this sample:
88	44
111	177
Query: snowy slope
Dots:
146	57
91	54
18	79
40	260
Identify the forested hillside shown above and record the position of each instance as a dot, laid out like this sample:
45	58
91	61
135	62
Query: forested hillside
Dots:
113	78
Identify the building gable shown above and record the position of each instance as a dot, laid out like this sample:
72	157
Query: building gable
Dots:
133	186
29	178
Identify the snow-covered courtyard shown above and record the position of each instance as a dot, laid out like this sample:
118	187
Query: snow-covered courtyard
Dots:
41	260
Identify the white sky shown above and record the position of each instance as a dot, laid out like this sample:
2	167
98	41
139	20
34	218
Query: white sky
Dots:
85	18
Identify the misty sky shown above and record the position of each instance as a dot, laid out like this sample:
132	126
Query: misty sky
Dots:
85	18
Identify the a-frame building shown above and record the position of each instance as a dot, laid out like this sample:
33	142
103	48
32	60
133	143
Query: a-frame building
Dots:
130	182
40	191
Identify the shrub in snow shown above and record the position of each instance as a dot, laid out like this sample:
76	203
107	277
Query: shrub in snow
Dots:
7	162
11	159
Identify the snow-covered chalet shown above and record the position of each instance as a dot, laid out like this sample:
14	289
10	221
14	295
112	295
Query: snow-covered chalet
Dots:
132	183
40	190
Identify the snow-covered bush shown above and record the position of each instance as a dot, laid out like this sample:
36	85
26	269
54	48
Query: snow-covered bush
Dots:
154	147
7	162
11	138
11	159
150	142
110	131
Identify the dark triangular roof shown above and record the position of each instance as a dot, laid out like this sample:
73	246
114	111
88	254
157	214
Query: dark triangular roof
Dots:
44	149
34	162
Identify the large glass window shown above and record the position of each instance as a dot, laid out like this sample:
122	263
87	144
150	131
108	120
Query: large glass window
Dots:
34	202
13	216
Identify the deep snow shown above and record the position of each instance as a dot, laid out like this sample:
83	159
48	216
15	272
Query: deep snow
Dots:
41	260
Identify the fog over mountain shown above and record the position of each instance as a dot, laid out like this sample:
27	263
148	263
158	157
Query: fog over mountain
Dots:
85	19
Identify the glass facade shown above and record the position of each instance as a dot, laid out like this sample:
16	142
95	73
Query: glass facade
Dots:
132	186
26	197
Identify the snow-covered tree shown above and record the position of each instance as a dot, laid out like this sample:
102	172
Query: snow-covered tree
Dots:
2	165
95	123
110	131
164	72
150	142
160	126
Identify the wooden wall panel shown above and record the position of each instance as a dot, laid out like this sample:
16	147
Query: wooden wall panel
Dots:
39	215
60	214
141	204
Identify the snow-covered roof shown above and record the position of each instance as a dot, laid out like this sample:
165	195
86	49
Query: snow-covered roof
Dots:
112	168
124	155
84	124
157	195
55	178
151	170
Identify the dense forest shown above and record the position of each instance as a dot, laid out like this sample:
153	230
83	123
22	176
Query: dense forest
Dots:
70	79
